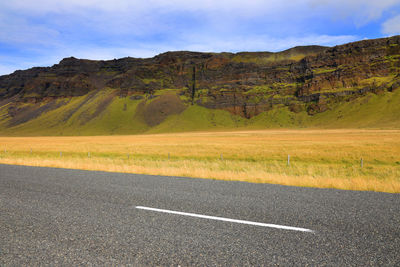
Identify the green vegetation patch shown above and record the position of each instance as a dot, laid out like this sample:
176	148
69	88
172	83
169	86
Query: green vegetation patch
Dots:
383	80
196	118
259	89
324	70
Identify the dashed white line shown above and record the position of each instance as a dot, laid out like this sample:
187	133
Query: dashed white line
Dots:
277	226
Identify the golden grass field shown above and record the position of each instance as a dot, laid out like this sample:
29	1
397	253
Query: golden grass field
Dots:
318	158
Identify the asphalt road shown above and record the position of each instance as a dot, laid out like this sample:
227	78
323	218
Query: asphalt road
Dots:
68	217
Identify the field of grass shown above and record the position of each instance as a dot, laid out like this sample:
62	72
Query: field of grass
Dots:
318	158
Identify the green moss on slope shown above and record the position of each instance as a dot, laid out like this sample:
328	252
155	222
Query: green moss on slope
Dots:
196	118
370	111
82	116
76	118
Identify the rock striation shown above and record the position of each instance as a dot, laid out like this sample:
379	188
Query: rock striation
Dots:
306	78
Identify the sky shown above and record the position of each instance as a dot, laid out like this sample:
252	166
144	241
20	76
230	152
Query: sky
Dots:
42	32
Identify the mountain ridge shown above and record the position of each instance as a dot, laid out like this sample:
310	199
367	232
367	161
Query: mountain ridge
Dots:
304	81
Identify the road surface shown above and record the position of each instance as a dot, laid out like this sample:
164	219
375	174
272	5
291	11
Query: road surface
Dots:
54	216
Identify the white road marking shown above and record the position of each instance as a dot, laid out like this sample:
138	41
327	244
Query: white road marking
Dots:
284	227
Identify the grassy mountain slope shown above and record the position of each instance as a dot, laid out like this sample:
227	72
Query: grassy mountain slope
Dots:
103	113
370	111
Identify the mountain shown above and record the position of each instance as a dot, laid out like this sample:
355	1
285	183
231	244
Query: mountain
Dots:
350	85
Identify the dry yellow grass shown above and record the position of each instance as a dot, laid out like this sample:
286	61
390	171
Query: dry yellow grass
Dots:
319	158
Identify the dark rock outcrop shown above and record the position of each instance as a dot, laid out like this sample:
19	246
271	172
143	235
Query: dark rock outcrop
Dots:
247	83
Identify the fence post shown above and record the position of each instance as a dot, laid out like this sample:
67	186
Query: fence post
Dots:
362	162
222	157
60	154
88	154
127	155
31	150
288	160
168	156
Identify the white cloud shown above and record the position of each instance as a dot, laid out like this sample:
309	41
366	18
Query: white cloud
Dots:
257	43
392	26
370	9
138	6
48	30
141	18
361	11
18	30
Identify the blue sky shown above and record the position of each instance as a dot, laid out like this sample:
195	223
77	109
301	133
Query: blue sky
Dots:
42	32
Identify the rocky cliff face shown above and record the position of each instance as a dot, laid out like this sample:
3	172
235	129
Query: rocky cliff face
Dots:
304	78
